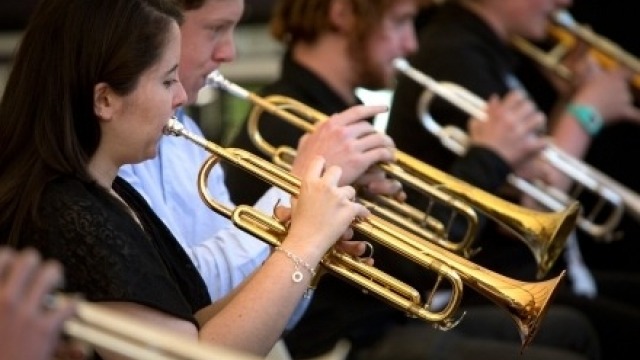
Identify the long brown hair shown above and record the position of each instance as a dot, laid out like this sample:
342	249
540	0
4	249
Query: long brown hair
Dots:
47	121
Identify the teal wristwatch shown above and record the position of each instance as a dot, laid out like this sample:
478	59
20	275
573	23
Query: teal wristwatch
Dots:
588	117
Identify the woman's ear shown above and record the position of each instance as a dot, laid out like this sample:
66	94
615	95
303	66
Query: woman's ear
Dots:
341	15
103	101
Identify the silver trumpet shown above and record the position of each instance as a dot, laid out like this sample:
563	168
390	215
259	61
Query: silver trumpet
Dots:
611	195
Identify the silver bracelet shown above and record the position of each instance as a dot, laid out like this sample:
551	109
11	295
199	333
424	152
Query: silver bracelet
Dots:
297	275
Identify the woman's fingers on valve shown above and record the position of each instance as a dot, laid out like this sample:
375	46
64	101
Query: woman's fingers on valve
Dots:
348	193
359	249
321	183
332	175
282	214
316	170
347	235
303	140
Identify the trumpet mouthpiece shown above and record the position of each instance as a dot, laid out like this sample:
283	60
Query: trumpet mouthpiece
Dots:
216	80
400	64
564	18
173	127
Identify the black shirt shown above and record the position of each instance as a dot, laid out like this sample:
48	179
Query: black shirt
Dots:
338	309
297	83
453	45
107	256
612	151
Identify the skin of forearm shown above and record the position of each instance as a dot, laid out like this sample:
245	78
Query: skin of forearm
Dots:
243	324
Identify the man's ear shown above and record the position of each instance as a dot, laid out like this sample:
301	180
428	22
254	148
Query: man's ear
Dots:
341	15
104	101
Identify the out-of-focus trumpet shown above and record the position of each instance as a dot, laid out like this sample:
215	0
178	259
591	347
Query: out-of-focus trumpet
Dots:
525	302
607	190
106	329
568	34
544	233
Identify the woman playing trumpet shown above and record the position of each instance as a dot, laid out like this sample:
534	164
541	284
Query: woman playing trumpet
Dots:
224	254
94	83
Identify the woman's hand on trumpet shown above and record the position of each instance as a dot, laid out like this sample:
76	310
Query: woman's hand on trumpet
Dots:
28	329
323	212
361	249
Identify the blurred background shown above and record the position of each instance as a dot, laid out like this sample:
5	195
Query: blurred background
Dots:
258	55
257	63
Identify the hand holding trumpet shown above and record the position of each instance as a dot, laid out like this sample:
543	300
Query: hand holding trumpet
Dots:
349	141
512	129
320	185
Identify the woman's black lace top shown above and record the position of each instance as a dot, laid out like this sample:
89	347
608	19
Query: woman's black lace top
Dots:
108	256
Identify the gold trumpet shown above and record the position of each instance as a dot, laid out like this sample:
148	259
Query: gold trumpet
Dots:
568	34
525	302
402	214
110	330
545	233
602	219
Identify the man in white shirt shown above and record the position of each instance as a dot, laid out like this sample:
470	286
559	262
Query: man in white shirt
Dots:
223	254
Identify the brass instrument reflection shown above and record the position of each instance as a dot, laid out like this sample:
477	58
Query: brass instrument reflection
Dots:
525	302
